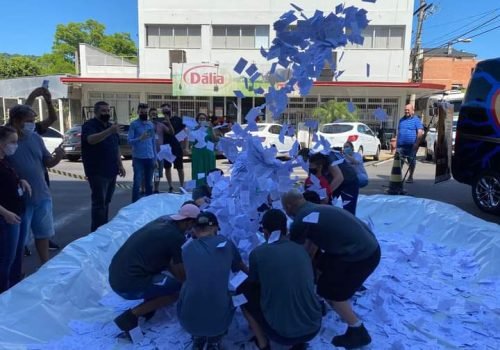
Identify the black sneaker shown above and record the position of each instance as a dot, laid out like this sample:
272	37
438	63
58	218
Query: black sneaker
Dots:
53	245
127	321
354	337
171	189
199	343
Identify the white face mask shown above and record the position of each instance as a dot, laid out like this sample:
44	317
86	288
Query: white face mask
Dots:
204	123
29	127
10	149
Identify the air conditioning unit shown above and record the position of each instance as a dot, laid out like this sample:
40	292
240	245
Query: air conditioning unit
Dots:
176	56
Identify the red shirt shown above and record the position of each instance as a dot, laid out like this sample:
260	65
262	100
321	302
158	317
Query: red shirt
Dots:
323	182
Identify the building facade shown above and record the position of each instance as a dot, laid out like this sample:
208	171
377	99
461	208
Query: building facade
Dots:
215	34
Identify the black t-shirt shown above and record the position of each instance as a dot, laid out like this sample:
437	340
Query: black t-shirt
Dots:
102	158
147	252
171	139
349	173
10	197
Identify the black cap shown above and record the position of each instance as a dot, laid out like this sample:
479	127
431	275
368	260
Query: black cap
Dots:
274	220
206	218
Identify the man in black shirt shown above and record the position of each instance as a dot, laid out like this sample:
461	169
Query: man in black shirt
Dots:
175	123
101	161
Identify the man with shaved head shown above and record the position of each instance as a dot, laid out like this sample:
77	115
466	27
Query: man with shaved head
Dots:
409	136
345	251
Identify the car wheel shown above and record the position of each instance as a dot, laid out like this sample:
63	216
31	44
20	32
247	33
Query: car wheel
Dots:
428	156
73	157
486	192
360	151
377	155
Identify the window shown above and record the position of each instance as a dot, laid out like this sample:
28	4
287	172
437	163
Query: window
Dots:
240	37
275	129
382	37
173	36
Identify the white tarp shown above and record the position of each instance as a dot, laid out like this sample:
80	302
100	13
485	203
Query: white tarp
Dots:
436	287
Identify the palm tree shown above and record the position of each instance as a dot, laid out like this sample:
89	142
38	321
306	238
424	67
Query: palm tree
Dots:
332	110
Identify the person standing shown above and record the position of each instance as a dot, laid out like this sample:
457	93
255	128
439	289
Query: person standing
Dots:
12	190
161	130
205	308
409	137
356	161
347	252
101	161
141	136
29	162
175	125
203	158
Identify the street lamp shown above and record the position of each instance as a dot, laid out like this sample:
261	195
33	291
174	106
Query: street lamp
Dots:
461	40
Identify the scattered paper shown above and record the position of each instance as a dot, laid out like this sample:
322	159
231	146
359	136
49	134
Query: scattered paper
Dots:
240	66
201	176
312	218
136	335
274	237
238	279
222	244
239	300
181	135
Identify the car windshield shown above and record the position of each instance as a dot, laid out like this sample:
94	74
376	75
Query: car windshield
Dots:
75	129
336	128
260	127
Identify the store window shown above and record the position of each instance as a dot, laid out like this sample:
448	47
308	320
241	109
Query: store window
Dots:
240	37
173	36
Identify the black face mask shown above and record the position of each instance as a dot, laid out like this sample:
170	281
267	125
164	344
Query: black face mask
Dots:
143	116
105	118
313	171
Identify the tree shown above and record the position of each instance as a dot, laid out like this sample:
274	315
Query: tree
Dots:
18	66
119	44
68	37
52	63
331	111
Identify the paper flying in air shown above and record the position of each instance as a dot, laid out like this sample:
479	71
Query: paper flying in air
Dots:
312	218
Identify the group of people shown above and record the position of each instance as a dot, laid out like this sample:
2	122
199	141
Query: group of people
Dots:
326	254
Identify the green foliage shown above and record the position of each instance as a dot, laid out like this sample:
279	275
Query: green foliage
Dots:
331	111
52	63
67	37
18	66
119	44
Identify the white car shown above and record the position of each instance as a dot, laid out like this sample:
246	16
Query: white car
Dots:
52	139
364	140
269	134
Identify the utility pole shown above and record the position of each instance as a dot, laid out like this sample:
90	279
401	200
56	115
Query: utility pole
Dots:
416	62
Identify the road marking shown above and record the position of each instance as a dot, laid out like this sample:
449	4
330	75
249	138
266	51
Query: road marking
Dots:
84	178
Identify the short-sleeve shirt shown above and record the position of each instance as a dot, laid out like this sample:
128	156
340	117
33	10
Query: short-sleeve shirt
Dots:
349	173
171	139
147	252
142	149
29	164
408	130
205	306
288	300
100	159
10	196
337	232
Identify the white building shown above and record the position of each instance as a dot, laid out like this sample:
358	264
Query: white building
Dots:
216	33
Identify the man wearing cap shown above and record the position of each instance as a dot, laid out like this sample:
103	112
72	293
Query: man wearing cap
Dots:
205	308
149	265
282	304
350	255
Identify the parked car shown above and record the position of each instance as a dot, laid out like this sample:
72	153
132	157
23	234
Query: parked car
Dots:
72	144
476	161
52	138
269	135
431	138
362	137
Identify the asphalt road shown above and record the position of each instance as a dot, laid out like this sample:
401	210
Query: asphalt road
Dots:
71	197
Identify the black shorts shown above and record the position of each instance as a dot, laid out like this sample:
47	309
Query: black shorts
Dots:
178	163
340	279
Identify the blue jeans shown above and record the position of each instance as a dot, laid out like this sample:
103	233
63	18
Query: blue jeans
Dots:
143	172
9	247
102	189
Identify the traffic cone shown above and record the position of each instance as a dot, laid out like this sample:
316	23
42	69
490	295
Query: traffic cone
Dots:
396	182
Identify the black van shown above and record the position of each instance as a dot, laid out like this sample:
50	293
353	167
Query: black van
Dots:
476	161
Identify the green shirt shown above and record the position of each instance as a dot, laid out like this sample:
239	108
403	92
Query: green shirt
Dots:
288	301
337	232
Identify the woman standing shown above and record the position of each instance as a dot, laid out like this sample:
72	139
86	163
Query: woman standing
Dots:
356	161
202	154
11	207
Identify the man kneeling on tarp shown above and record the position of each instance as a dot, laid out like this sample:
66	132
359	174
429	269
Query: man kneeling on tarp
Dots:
350	255
282	305
149	265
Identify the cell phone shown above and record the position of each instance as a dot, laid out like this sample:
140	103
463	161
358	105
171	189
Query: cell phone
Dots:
45	84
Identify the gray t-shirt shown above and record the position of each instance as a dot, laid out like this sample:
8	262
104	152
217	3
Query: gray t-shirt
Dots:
337	232
29	164
205	306
288	301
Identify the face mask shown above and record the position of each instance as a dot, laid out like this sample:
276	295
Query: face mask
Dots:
29	127
143	117
204	123
313	171
105	118
348	150
10	149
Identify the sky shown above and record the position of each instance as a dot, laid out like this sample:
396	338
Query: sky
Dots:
30	25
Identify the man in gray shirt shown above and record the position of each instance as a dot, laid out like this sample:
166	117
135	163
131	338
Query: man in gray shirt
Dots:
205	307
30	161
281	304
349	253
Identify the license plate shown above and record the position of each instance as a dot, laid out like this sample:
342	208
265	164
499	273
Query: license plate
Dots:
68	148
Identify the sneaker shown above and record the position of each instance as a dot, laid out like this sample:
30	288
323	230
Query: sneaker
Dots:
53	245
171	189
354	337
199	343
409	181
127	321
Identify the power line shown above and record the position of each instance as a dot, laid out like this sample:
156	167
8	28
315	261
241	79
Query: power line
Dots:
486	31
460	19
